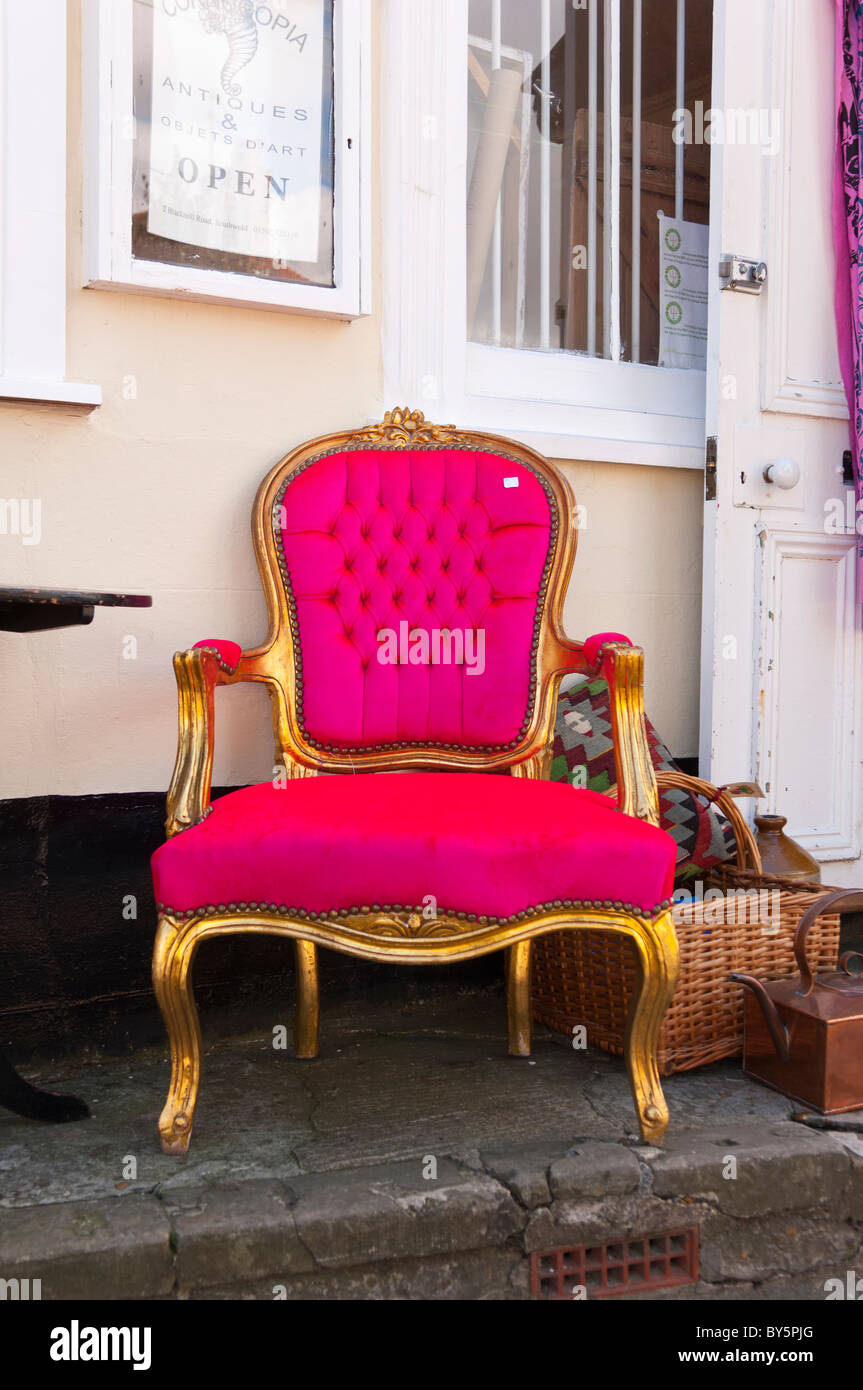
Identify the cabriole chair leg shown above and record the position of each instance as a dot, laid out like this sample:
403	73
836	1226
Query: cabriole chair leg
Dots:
174	952
657	965
518	998
308	1001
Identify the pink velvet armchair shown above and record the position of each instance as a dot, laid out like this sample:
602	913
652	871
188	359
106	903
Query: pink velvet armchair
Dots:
414	577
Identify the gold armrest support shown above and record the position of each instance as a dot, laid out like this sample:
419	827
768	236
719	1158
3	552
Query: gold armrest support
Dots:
622	667
198	672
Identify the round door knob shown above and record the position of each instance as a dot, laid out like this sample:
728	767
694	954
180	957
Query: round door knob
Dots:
784	473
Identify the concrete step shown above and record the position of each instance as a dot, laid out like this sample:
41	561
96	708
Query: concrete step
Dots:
415	1160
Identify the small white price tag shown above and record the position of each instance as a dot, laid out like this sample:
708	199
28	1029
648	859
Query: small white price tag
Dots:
510	482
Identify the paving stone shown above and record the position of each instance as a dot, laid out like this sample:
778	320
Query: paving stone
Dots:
595	1170
390	1211
233	1233
783	1288
118	1247
501	1273
523	1169
747	1170
615	1218
764	1246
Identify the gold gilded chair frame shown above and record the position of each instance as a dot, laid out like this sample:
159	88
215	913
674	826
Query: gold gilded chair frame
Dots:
373	932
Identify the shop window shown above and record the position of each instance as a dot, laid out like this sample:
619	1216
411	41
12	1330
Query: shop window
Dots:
230	139
530	286
579	170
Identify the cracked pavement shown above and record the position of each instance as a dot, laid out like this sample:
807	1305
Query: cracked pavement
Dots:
413	1158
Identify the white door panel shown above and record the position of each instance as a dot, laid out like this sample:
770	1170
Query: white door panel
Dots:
781	673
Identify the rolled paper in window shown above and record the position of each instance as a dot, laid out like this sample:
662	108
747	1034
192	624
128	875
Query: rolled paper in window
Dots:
497	125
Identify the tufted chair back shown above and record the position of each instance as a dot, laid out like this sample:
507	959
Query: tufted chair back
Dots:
415	580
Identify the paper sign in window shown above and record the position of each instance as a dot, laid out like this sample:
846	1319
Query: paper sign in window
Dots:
236	126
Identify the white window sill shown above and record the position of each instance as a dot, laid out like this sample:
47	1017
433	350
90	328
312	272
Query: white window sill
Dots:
591	449
35	389
573	432
592	436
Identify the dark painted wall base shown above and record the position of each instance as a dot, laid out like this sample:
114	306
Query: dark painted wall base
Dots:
75	971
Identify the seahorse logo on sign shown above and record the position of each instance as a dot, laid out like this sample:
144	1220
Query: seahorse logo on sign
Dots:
236	20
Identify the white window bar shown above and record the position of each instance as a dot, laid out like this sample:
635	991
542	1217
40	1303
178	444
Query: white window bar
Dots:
545	180
681	98
635	353
591	180
515	228
611	179
497	236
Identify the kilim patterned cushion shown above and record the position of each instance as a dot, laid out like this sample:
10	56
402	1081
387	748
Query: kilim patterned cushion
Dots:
584	756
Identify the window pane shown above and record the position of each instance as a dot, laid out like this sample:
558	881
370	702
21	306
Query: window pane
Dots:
542	164
233	107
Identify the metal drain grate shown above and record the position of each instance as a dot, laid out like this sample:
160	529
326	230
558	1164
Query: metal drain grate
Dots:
660	1261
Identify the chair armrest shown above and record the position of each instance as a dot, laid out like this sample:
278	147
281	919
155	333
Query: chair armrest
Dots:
611	657
198	671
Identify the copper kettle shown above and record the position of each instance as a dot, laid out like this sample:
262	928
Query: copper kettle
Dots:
805	1038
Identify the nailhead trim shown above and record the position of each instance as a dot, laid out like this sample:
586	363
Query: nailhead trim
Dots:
554	529
332	913
223	665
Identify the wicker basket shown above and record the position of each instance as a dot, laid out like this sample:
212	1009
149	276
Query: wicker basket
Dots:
587	977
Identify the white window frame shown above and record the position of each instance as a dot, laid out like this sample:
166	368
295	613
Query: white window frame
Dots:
33	207
109	151
565	404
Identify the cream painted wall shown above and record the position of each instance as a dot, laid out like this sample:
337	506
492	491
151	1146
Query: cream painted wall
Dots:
152	492
638	571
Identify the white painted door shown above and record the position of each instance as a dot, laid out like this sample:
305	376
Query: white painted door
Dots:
781	672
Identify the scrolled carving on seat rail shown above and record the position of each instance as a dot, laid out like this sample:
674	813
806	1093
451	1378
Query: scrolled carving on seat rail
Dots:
414	925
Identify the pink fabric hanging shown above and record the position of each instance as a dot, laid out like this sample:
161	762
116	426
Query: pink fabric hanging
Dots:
848	229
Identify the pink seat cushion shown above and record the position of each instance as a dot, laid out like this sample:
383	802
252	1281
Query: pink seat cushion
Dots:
440	540
477	842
